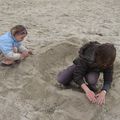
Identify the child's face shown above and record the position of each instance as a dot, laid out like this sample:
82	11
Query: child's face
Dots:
20	37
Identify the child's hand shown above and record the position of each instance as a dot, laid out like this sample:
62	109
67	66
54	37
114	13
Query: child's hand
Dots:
15	50
30	52
24	55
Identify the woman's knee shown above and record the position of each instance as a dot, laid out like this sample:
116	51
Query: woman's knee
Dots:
66	75
92	78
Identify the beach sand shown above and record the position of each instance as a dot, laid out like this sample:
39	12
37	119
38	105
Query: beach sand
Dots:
57	29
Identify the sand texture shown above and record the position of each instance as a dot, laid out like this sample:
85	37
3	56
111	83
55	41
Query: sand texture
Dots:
57	28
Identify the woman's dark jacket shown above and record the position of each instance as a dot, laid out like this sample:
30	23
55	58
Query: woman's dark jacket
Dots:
85	63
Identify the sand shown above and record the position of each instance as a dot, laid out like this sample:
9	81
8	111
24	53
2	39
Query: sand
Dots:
57	28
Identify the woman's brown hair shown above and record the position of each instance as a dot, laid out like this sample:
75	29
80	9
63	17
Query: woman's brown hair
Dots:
105	54
18	30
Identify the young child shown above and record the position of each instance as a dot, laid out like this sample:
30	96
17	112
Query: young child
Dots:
11	46
93	59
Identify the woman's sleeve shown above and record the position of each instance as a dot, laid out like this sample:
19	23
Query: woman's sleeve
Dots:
79	72
108	77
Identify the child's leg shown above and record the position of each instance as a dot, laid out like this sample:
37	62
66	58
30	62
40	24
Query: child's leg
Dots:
66	76
10	58
7	61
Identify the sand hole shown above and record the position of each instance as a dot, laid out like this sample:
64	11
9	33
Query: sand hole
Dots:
50	60
55	58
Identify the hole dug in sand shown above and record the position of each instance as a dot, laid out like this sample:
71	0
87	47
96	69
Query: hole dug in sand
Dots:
46	66
55	58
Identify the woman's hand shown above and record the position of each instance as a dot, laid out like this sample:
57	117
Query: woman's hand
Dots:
91	96
101	97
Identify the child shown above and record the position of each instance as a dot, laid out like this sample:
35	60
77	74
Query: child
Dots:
11	46
93	59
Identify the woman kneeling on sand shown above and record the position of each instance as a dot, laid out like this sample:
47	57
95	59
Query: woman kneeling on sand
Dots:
11	46
93	59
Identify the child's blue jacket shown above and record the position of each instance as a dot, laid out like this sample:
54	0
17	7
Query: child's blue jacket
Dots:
7	42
